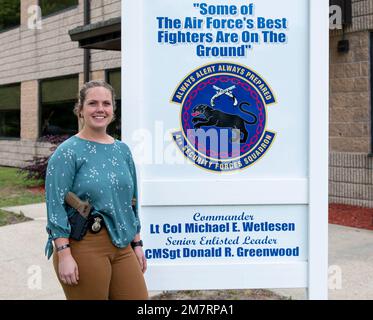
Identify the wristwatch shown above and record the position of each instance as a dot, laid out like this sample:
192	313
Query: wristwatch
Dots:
63	247
136	244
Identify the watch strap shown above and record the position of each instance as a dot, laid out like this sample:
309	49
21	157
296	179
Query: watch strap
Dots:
65	246
136	244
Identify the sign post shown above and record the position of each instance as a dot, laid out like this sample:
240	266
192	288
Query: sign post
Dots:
225	108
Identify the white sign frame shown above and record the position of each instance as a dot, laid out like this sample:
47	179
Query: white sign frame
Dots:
312	192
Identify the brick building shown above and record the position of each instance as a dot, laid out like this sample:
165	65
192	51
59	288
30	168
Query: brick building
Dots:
351	111
41	71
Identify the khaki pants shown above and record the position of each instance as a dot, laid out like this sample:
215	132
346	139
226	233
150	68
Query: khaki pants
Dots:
105	271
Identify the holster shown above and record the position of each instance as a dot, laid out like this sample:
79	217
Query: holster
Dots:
79	226
79	221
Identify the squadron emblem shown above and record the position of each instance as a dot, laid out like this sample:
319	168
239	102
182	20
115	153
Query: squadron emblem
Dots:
223	117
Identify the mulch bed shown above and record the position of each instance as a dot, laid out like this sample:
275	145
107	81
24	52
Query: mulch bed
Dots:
351	216
37	190
253	294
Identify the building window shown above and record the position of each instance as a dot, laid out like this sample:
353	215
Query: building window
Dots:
9	14
49	7
58	98
10	111
113	77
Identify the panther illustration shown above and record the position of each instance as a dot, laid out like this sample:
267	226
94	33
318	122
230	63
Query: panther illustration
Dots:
206	116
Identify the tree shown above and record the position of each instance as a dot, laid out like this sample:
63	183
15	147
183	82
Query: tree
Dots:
48	7
38	165
9	13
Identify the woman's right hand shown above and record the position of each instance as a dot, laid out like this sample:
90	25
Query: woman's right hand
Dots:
67	268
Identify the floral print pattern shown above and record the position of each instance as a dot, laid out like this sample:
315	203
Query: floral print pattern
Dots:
103	174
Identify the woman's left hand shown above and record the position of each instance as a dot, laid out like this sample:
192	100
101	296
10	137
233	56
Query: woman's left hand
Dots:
141	258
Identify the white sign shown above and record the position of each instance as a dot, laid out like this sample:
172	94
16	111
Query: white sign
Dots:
225	108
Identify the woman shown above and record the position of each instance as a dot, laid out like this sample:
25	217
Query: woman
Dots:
98	169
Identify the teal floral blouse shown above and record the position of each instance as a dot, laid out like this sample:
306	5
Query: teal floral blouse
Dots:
103	174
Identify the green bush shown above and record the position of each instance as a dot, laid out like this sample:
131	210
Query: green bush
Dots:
38	165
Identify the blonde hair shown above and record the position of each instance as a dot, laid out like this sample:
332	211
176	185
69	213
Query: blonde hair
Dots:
83	95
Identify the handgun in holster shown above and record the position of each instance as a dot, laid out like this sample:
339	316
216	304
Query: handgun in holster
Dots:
80	220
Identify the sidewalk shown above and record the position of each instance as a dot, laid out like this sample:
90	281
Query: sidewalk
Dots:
351	252
22	261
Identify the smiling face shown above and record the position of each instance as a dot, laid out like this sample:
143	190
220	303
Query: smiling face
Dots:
97	109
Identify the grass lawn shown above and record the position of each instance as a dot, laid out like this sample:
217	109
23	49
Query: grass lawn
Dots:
14	191
11	218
